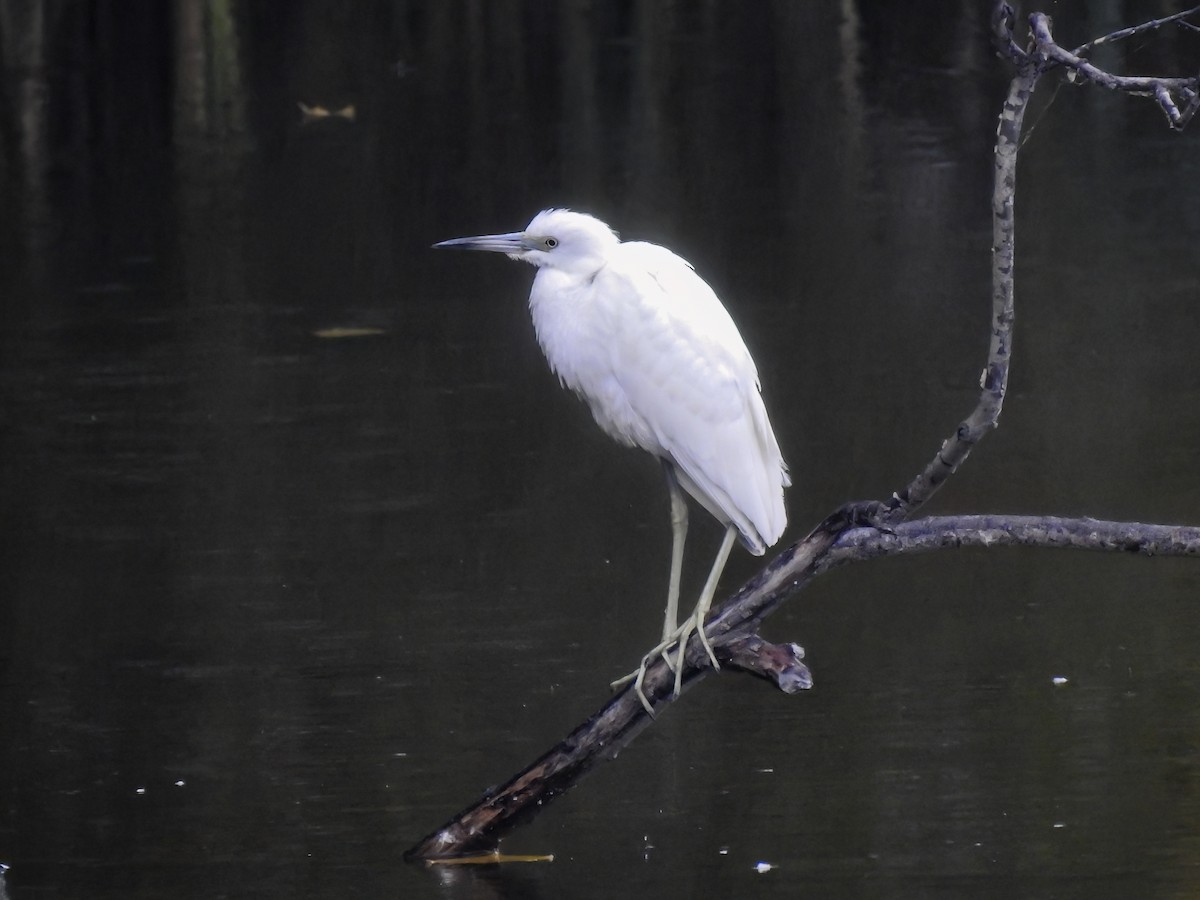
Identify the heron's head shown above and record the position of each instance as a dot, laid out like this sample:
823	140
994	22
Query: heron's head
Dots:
558	238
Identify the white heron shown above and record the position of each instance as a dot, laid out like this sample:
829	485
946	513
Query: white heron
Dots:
632	329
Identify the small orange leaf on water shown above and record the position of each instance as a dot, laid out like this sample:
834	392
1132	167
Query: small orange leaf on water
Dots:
487	859
347	332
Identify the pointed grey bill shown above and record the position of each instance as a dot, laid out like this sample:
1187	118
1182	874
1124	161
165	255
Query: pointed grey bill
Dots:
513	242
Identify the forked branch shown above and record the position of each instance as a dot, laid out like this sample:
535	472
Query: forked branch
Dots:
1169	93
865	530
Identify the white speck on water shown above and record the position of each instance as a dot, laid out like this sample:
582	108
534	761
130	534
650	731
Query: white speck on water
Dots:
1060	824
723	851
765	771
1059	679
646	847
179	783
140	791
762	867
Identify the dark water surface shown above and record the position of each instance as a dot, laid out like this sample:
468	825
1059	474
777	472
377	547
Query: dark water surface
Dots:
276	598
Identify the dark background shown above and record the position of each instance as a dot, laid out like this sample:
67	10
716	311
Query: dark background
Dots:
274	603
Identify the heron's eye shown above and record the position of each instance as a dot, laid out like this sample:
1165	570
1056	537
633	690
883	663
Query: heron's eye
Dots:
551	243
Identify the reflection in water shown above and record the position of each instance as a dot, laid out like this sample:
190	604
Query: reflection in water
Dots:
273	603
26	127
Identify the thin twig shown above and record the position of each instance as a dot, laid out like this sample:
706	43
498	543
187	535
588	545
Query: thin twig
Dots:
1083	49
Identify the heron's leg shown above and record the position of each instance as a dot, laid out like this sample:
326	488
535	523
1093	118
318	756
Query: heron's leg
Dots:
695	622
679	524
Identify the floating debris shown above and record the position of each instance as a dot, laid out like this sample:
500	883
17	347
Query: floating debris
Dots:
347	332
314	113
488	859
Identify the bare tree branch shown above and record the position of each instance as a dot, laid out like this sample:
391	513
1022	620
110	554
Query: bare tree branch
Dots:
943	532
477	828
1154	24
1003	21
994	380
1162	89
867	530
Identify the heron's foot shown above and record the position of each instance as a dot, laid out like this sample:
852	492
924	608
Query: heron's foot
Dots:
684	634
640	672
639	679
641	669
678	642
638	675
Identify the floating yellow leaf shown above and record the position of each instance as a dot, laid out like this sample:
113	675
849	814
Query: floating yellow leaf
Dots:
349	113
487	859
347	332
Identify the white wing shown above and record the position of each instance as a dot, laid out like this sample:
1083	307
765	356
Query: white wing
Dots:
683	386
